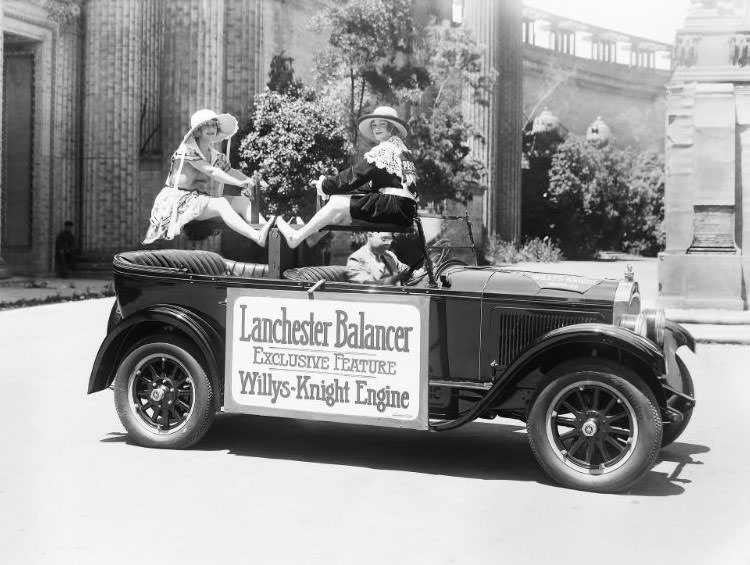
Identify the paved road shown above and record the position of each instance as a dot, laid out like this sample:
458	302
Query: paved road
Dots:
73	490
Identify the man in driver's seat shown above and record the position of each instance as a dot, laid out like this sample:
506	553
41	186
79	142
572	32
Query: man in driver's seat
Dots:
374	262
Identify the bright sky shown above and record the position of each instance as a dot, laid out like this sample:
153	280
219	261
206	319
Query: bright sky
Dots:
651	19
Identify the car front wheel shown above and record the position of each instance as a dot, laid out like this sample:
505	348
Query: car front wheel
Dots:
592	429
163	396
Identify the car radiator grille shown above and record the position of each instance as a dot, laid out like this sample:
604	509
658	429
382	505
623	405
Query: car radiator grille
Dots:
517	329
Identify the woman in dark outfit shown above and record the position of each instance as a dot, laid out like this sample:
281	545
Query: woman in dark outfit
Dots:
388	167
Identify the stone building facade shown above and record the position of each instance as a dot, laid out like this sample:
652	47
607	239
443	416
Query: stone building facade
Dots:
97	94
41	130
581	71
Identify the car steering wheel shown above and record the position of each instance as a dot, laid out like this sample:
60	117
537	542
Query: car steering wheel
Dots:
437	270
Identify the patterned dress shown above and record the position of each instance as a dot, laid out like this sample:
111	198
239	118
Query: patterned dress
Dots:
183	200
388	164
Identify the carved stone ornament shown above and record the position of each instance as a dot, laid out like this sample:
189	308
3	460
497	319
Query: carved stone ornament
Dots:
730	7
686	51
598	133
713	230
546	121
63	11
702	4
724	7
739	50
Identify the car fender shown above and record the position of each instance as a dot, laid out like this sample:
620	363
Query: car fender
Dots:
520	374
151	320
593	336
681	335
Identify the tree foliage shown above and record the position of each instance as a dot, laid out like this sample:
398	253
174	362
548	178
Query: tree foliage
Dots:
605	199
375	56
644	230
369	55
453	59
292	139
441	137
281	76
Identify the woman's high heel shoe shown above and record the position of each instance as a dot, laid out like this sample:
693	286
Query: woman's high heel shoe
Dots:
289	233
263	232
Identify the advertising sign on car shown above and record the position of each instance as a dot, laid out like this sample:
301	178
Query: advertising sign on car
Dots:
335	357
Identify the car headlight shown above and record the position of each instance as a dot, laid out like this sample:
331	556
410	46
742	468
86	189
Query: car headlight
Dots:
655	324
636	323
627	301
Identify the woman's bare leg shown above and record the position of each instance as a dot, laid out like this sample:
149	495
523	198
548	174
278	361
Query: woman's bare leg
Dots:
244	206
219	207
336	211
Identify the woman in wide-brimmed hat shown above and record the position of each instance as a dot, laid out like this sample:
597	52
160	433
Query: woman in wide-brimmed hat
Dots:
194	187
388	167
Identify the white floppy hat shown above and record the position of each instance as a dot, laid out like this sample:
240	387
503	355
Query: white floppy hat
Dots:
227	127
227	123
382	113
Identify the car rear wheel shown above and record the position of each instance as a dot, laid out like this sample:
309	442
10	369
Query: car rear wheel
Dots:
163	395
592	429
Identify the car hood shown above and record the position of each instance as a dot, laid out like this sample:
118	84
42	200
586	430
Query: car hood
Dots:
499	281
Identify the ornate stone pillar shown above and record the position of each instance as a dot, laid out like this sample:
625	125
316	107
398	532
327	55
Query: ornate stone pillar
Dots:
112	96
707	184
680	163
497	24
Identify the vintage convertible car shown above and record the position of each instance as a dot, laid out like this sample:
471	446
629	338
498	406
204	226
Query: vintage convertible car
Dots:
597	381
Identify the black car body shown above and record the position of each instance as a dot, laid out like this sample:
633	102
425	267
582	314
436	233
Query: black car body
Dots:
597	381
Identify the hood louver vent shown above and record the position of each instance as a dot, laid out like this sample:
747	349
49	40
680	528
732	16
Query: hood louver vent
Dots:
517	329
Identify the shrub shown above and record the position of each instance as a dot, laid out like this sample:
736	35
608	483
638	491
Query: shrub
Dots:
605	199
532	250
644	232
293	138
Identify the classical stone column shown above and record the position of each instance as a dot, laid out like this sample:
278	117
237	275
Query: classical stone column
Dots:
192	76
112	96
152	64
193	73
151	162
66	133
497	25
243	54
4	270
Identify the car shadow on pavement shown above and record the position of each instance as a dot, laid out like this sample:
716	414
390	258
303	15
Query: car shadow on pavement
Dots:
490	451
480	450
656	483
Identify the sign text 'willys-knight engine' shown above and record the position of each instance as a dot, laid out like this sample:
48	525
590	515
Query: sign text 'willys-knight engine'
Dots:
331	358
